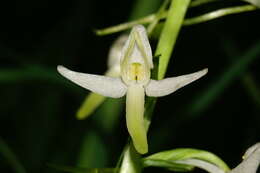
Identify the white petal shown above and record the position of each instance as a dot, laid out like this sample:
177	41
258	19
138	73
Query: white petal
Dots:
103	85
142	36
135	117
209	167
169	85
252	149
139	36
251	161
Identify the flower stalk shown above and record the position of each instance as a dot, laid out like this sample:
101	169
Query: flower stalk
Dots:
187	22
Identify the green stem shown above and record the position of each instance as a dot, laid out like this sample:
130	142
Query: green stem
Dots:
124	26
165	46
190	21
218	13
140	8
197	3
159	15
131	162
170	33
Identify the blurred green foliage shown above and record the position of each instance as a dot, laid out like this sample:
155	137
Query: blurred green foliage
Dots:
37	111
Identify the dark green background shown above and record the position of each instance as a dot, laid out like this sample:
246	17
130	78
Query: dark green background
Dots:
37	108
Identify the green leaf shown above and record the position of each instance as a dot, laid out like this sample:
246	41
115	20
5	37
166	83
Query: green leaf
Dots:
163	159
81	170
254	2
167	164
10	157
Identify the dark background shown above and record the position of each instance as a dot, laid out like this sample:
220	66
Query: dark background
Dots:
37	108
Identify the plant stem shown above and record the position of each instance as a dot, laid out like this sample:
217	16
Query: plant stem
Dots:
159	15
190	21
124	26
170	33
131	162
165	46
200	2
218	13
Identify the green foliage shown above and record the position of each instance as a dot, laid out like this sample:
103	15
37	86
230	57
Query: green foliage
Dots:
38	105
168	159
10	157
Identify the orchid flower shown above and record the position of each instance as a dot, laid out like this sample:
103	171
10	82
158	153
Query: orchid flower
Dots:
134	82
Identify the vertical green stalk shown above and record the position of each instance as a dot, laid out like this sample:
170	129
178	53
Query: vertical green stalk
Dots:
131	162
170	33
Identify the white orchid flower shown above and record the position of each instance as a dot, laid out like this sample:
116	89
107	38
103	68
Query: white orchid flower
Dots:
134	82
